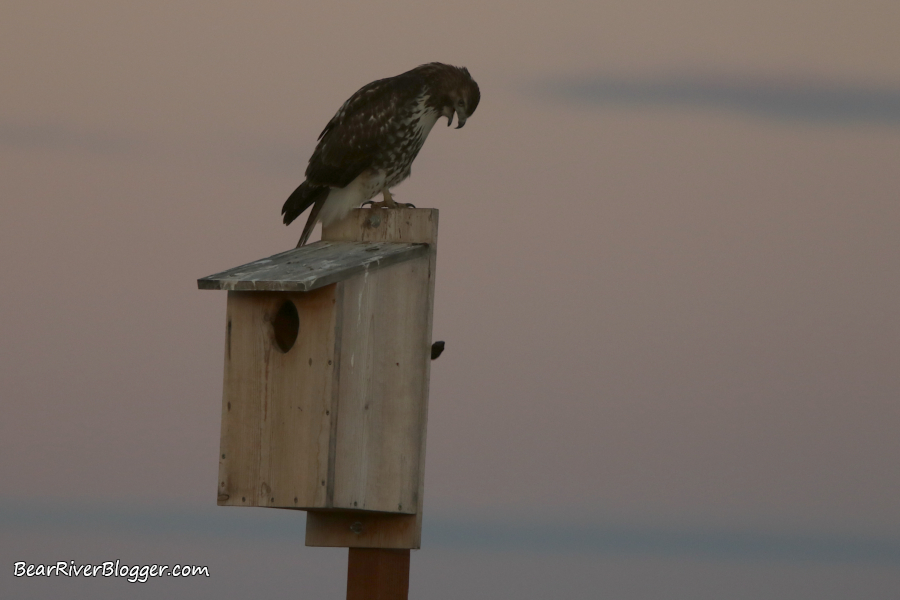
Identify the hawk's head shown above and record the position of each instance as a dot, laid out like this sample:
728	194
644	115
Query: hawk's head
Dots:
456	93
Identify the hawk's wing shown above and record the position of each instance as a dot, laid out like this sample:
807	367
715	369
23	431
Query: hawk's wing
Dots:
350	141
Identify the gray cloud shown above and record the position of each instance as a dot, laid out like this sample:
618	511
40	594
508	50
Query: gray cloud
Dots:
817	101
492	534
664	541
273	157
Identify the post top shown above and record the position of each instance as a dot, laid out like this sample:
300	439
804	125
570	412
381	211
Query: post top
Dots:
313	266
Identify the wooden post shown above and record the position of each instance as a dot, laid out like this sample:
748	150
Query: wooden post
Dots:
378	558
377	574
371	529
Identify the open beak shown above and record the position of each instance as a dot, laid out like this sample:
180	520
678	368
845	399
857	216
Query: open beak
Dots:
461	118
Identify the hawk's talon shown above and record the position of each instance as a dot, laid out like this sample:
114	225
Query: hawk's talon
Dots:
374	204
378	204
388	201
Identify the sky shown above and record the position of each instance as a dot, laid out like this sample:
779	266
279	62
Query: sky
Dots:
667	280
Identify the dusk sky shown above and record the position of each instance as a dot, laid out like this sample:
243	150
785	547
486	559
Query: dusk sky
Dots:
668	278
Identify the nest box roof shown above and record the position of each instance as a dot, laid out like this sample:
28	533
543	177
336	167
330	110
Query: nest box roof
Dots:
313	266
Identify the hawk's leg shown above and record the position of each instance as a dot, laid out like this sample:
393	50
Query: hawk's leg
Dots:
388	201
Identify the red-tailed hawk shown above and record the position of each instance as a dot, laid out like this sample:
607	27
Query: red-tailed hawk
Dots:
369	146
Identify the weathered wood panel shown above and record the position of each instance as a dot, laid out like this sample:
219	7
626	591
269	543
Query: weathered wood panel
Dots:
313	266
277	407
382	390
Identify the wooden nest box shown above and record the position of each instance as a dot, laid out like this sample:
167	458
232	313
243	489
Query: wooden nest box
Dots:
327	362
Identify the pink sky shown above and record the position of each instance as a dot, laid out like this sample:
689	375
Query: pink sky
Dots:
655	311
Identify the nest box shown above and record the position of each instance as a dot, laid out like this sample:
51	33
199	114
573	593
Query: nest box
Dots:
327	362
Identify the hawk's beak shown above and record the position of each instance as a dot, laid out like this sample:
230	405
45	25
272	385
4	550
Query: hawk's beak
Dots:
460	114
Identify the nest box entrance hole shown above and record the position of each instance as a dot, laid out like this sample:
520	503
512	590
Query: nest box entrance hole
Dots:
286	326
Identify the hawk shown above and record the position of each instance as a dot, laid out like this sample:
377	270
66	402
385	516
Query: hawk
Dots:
369	145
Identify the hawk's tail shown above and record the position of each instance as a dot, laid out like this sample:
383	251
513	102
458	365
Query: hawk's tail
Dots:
304	196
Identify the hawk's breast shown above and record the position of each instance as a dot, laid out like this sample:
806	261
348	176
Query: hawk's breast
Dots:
404	140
